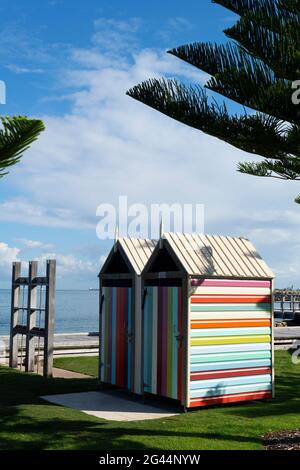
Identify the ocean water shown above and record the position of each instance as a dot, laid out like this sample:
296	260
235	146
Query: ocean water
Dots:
76	311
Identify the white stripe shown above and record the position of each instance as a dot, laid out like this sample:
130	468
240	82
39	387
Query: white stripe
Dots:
229	315
210	290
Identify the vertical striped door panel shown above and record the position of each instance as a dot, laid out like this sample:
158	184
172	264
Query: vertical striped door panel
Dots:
230	350
162	342
116	337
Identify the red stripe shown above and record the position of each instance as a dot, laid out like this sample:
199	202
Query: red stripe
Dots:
180	348
198	324
164	359
159	339
234	299
109	343
197	402
230	373
125	321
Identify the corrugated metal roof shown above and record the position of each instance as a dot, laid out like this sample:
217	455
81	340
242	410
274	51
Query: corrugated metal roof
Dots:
138	251
217	256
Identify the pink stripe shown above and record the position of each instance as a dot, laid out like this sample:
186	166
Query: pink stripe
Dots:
229	283
164	368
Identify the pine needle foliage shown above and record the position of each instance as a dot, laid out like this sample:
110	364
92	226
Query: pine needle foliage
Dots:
257	69
16	135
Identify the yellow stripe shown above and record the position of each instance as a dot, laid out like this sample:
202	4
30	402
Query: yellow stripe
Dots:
231	340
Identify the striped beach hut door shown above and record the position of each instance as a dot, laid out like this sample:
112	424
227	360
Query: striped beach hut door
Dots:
116	337
163	342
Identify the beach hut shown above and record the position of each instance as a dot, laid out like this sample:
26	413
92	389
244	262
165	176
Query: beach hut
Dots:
207	321
120	313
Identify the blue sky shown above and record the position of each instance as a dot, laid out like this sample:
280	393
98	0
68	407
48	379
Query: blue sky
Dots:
70	63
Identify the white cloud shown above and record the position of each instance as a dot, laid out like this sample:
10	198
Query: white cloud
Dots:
7	256
68	264
34	244
109	145
21	70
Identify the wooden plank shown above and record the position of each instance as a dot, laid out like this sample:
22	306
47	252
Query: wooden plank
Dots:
230	315
14	315
231	307
229	356
230	323
230	348
234	299
230	283
228	390
226	365
199	402
49	318
230	381
31	316
217	255
246	256
273	342
211	290
207	332
257	260
230	340
230	373
185	391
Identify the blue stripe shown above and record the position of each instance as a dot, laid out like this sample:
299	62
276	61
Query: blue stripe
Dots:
230	365
148	314
235	356
230	381
230	390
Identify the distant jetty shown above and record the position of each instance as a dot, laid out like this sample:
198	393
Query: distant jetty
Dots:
93	289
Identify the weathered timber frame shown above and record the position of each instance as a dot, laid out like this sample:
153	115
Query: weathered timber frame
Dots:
30	330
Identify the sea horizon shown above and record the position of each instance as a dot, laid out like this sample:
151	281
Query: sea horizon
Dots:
77	311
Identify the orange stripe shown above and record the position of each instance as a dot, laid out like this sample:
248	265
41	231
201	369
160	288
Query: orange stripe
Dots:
196	402
235	299
196	325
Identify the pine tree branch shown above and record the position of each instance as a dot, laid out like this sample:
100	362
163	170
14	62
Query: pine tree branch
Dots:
16	136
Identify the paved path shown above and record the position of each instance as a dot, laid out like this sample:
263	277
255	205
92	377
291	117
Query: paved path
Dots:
111	405
289	332
68	341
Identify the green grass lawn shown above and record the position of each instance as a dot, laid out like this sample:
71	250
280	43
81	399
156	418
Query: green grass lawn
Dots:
83	365
27	422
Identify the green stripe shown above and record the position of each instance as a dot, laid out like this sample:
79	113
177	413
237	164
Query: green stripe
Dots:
230	307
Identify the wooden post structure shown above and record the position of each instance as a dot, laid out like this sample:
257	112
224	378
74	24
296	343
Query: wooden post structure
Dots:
30	330
31	316
49	318
14	320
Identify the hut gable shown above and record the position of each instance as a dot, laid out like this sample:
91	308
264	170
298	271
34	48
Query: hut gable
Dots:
128	255
216	256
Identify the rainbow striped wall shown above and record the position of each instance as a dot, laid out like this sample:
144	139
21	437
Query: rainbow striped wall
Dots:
230	350
163	342
116	336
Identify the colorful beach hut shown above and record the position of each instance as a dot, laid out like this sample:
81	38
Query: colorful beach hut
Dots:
120	313
207	321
